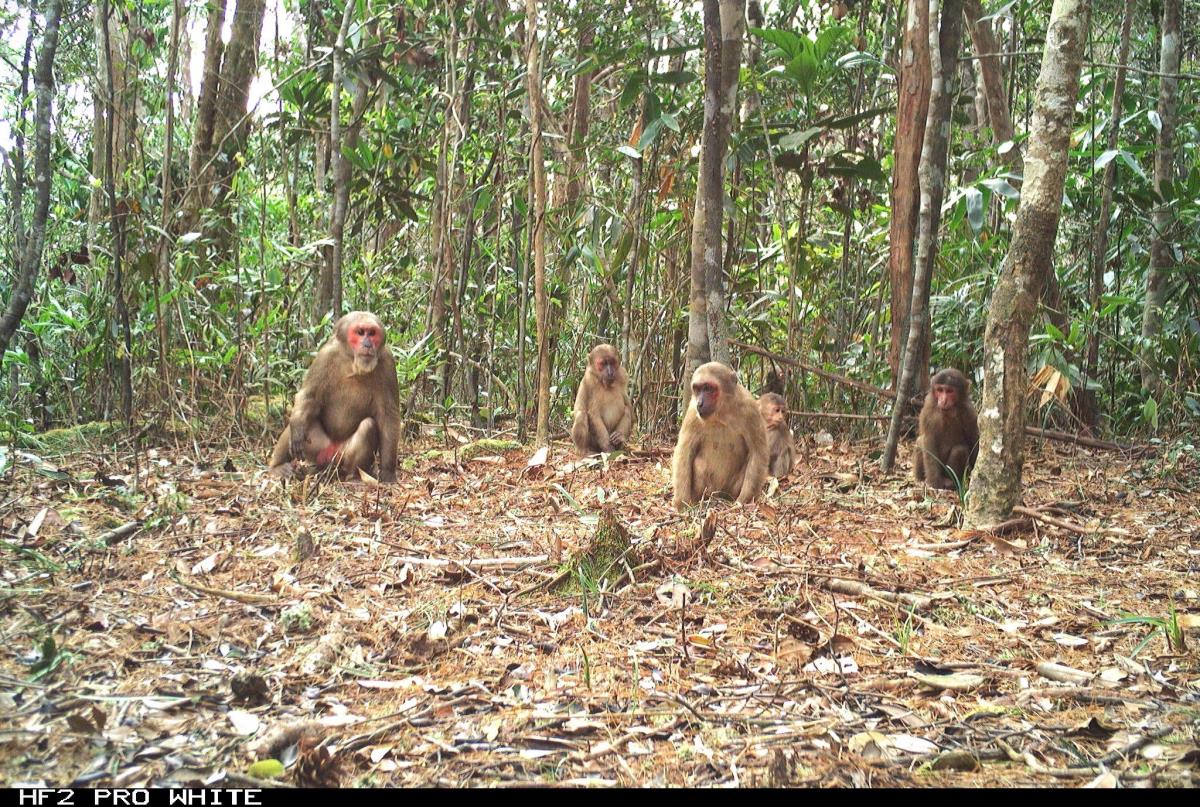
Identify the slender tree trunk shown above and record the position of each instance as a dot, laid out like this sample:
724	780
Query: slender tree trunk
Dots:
1161	258
329	282
537	166
31	256
118	222
911	110
162	273
996	483
987	62
724	22
1088	410
944	39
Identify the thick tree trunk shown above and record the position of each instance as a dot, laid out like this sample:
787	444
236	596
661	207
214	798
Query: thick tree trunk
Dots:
724	23
912	106
35	238
1161	258
1088	410
221	119
538	233
944	39
996	483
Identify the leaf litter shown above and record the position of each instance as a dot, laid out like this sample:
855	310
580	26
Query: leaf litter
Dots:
530	618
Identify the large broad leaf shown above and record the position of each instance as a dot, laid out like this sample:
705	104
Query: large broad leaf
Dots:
675	77
845	122
803	69
790	44
796	140
854	164
650	134
826	40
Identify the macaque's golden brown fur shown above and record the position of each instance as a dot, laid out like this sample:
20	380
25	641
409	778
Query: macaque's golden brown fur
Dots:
779	437
603	411
348	407
947	432
722	446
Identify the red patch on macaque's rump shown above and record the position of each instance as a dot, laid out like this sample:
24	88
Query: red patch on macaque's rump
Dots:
328	453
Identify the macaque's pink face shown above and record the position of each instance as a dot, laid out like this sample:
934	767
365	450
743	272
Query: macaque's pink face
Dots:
946	396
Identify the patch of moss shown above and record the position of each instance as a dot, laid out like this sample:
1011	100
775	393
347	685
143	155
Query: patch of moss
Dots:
297	619
605	556
260	412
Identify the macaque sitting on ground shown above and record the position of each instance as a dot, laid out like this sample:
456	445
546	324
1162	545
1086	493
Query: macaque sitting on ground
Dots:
779	437
603	412
348	407
947	432
722	446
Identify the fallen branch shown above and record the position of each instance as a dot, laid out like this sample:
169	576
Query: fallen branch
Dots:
1070	526
236	596
114	535
475	563
1090	442
817	371
846	415
855	589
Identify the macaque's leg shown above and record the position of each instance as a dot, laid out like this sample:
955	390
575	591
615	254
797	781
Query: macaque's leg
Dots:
579	434
958	461
359	450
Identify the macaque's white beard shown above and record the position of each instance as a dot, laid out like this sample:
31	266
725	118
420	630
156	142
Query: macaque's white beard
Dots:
364	364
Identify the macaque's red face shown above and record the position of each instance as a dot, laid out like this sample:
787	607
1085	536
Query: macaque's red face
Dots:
605	364
707	395
365	338
946	396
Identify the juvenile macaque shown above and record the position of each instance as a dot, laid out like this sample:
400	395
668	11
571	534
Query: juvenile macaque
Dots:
779	437
603	412
947	432
722	447
348	407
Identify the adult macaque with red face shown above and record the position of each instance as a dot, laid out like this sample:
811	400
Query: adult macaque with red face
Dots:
780	446
722	446
603	415
947	432
348	408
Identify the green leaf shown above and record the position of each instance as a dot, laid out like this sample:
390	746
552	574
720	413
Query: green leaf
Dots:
790	44
1104	159
650	134
1150	412
797	140
674	77
974	202
1132	163
1001	187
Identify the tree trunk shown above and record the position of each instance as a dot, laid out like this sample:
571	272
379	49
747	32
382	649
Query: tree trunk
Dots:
31	256
944	39
987	62
724	22
911	109
537	167
996	484
221	119
162	251
329	281
1161	258
1088	410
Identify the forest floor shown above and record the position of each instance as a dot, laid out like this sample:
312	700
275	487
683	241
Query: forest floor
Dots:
164	622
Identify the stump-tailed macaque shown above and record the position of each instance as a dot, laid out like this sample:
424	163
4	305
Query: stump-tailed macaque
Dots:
722	447
603	412
947	432
348	407
779	437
